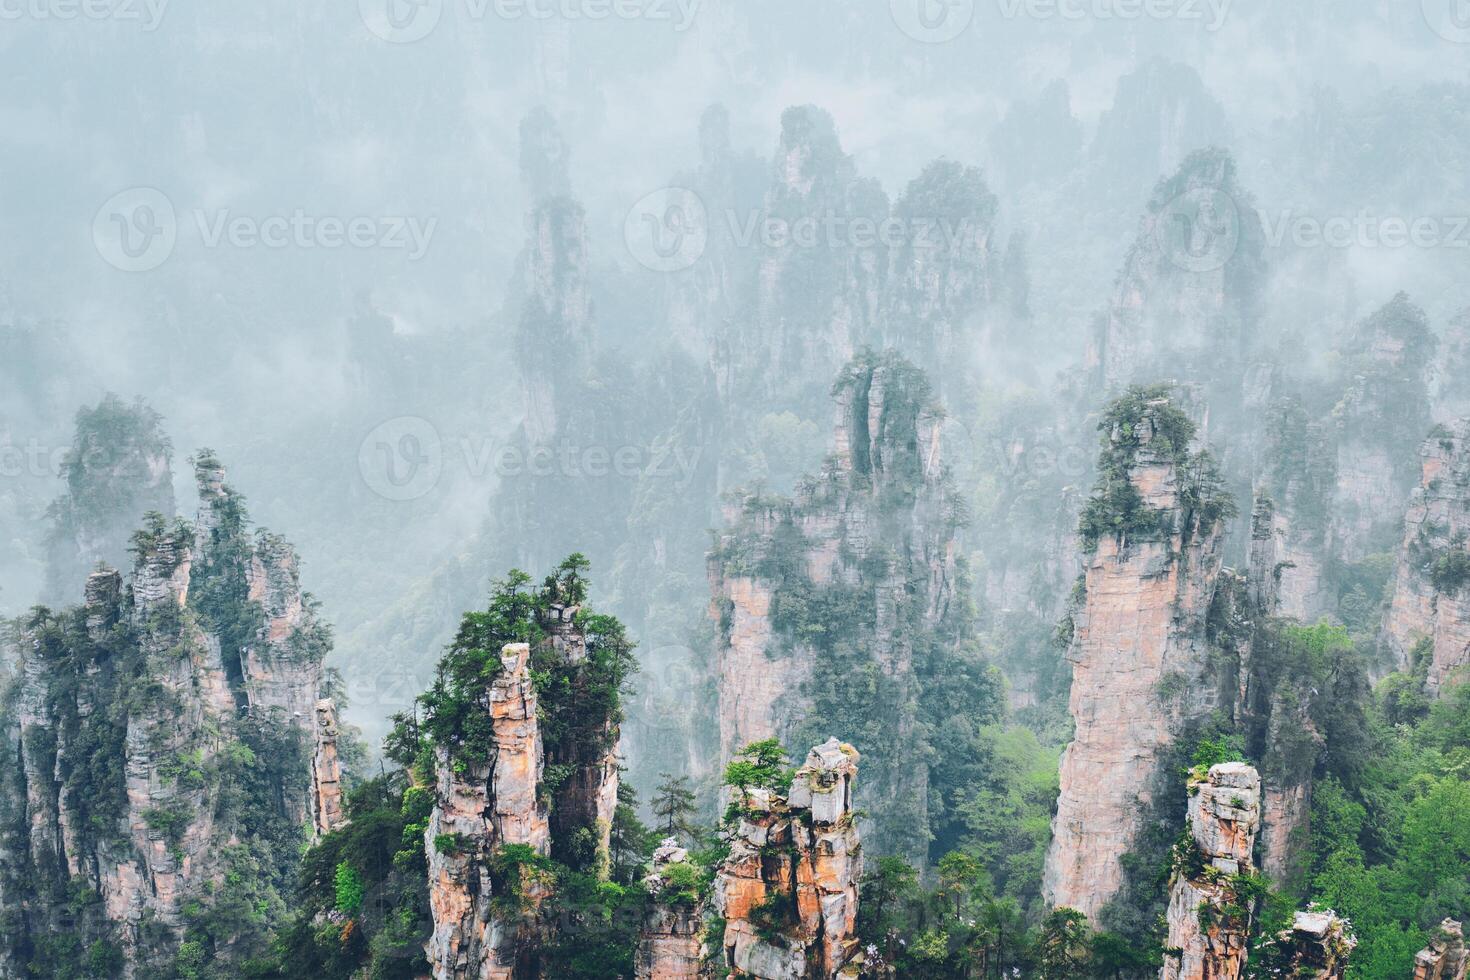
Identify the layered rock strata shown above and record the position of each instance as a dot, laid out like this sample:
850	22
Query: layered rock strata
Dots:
1139	649
671	940
1445	958
1430	610
326	771
132	720
480	808
1209	922
788	891
1317	946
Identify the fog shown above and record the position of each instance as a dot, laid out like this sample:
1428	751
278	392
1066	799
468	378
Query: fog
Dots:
328	216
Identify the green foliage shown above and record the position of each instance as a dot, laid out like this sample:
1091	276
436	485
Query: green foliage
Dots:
349	887
674	805
1145	416
760	765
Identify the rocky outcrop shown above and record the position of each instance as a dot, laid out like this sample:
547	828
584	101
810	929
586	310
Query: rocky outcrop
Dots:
1209	920
838	582
1383	413
1428	624
326	771
480	807
1187	301
1139	649
1445	958
118	469
788	891
671	940
1316	947
134	721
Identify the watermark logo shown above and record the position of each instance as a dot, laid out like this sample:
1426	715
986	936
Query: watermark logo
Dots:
668	230
402	459
148	13
1450	19
1366	230
1199	230
401	21
136	229
933	21
406	21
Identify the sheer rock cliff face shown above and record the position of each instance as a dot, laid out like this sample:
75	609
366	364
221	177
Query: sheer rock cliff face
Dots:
326	772
486	922
1140	660
788	891
1187	300
1317	947
1430	610
480	808
1445	958
864	557
131	716
1206	925
589	796
671	940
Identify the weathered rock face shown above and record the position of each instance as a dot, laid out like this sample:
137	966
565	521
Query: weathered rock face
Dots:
1139	649
1445	958
671	941
132	722
1317	946
479	808
118	469
788	890
863	559
1208	932
1187	299
1430	609
326	771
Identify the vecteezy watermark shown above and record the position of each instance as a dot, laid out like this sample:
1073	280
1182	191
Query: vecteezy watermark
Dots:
1450	19
148	13
32	458
1366	229
301	229
137	230
669	231
402	459
406	21
1199	230
405	458
938	21
933	21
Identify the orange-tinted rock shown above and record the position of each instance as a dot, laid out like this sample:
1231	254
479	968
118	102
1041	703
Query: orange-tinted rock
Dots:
1445	958
788	891
1206	941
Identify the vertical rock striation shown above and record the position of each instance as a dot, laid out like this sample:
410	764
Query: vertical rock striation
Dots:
326	771
1139	649
1429	614
788	891
134	721
829	603
1209	920
479	808
671	940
